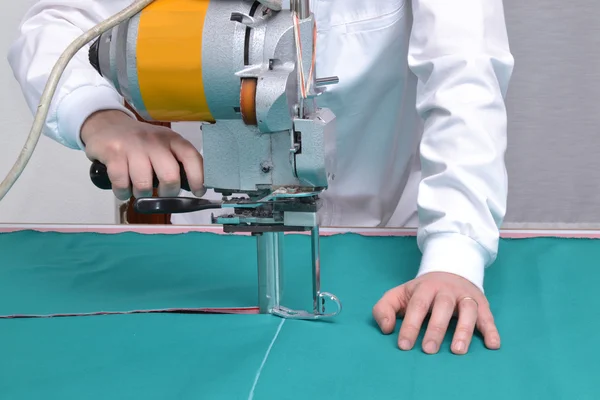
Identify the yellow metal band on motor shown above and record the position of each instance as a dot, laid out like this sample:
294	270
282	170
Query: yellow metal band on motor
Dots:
169	60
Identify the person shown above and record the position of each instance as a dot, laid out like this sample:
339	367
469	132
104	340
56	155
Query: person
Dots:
422	132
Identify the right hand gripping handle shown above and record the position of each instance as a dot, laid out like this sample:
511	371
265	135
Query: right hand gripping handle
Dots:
99	177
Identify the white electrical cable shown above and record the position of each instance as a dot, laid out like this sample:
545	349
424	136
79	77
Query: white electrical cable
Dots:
51	85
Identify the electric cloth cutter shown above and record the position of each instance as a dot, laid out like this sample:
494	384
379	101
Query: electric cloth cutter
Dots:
248	72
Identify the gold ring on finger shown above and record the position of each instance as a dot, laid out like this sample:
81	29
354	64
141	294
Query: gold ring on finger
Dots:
469	298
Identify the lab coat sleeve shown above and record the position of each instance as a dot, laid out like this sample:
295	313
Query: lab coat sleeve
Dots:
460	54
46	30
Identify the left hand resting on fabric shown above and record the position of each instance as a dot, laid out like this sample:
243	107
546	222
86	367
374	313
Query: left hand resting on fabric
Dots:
441	295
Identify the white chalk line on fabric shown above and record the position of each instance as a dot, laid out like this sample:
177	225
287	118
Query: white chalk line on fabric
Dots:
264	361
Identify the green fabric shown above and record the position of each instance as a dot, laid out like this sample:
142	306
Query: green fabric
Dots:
542	291
49	273
149	357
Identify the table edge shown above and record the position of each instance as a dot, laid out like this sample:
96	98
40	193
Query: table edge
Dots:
325	231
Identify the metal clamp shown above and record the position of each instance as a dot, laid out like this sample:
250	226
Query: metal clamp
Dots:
318	313
270	276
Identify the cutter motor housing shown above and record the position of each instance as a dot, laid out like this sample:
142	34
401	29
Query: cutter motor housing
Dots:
232	64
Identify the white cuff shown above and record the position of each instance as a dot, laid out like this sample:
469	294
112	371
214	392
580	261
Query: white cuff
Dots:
77	106
456	254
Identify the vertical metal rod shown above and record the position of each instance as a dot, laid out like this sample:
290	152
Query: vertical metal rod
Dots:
302	7
270	269
316	268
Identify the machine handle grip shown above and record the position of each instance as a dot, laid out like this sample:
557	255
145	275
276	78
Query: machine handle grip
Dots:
99	177
173	205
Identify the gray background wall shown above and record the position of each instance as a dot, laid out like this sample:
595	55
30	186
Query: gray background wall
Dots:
554	113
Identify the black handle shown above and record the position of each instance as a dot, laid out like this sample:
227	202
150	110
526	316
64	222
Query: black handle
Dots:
172	205
99	177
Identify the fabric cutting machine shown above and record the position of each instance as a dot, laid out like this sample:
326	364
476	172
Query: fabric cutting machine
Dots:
248	73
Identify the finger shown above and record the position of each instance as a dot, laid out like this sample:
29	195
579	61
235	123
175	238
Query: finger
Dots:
192	163
386	309
487	327
418	308
443	309
467	318
167	171
118	174
140	171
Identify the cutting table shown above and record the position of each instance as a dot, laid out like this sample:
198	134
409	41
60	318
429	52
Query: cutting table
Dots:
133	312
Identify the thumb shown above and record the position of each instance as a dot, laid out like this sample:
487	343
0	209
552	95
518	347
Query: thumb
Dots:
387	308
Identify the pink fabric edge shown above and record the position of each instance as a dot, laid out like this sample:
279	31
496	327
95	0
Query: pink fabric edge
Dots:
174	230
237	311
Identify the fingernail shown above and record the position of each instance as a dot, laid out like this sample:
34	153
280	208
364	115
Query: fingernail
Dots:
494	342
200	193
142	195
405	344
430	347
384	322
460	346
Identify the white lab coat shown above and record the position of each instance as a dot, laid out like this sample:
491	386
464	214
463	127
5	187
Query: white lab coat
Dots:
421	119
